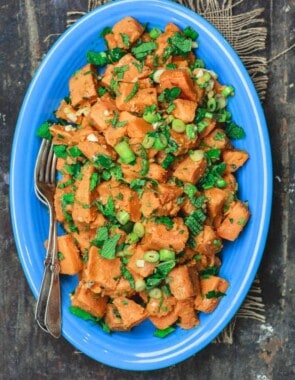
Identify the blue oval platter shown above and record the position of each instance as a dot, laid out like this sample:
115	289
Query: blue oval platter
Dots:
139	350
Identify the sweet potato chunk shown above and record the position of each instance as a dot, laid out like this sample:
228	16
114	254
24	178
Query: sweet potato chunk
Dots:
124	198
102	113
189	170
184	110
187	314
101	271
129	27
85	299
212	289
164	321
68	255
130	312
126	101
138	265
162	201
208	242
83	85
234	159
235	220
157	236
183	281
83	210
179	78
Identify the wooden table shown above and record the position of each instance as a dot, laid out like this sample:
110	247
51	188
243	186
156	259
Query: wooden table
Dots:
260	351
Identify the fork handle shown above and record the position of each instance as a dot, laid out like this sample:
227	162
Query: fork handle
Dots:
43	295
48	309
53	308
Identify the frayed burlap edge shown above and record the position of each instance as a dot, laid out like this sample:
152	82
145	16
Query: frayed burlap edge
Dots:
247	34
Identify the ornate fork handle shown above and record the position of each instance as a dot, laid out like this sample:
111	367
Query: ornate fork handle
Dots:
48	313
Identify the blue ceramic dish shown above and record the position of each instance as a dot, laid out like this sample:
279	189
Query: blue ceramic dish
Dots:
139	349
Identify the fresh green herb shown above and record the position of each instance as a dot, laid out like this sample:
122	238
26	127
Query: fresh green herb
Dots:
138	65
105	31
168	222
234	131
60	256
160	274
125	39
214	294
208	272
128	276
190	33
119	71
103	161
43	131
74	151
155	33
108	250
162	333
168	161
94	179
195	221
169	94
60	151
132	93
78	312
101	236
142	50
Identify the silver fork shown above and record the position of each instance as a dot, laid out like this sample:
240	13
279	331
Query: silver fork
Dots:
48	308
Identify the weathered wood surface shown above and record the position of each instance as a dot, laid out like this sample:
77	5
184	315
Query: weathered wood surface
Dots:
260	351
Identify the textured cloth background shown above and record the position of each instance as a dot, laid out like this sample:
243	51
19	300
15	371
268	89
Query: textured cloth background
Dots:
247	34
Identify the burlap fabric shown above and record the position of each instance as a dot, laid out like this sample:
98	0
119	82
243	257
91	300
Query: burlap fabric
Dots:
247	34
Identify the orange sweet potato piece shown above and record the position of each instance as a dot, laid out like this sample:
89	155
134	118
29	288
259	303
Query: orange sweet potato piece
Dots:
234	222
209	297
215	201
184	144
137	127
184	110
234	159
127	26
160	306
208	242
68	255
187	314
113	319
179	78
124	198
131	313
83	86
67	112
101	271
162	201
95	144
191	171
85	299
143	97
164	321
102	113
157	236
216	139
183	281
83	210
146	268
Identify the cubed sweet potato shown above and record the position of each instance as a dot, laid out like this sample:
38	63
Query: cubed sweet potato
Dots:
212	290
68	255
234	222
93	303
83	86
